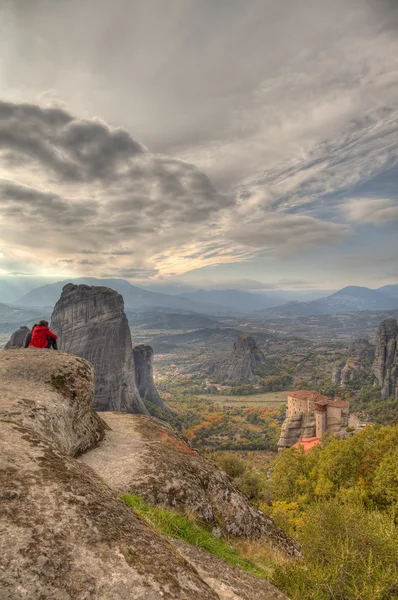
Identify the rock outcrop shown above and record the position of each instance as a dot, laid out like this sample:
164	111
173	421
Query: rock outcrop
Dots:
385	366
228	582
300	425
143	456
17	339
143	364
245	364
64	533
51	393
91	323
360	351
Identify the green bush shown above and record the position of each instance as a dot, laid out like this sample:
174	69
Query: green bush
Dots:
231	464
350	554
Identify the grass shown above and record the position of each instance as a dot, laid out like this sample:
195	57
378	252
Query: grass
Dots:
265	400
180	527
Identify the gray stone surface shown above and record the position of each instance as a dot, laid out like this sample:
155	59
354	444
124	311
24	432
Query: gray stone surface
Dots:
385	366
141	455
143	364
299	425
17	339
358	351
91	323
51	392
64	533
230	583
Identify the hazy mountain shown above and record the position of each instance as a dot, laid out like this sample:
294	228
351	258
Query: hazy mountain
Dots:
13	287
134	297
12	317
389	290
349	299
235	300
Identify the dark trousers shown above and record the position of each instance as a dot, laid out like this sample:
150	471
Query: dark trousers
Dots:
52	343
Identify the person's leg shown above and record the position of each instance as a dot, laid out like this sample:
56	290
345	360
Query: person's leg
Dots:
52	343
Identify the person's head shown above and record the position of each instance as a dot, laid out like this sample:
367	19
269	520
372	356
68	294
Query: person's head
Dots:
33	326
43	323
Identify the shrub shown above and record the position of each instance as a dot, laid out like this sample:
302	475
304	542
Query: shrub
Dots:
231	464
350	554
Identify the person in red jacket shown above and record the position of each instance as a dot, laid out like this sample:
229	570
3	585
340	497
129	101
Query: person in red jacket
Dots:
40	334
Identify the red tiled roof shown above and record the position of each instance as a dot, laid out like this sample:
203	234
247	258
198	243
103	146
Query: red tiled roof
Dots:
307	443
338	403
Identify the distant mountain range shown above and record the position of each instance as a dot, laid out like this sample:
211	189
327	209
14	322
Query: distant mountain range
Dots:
201	303
349	299
138	299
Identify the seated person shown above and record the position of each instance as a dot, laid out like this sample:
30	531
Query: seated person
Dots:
40	335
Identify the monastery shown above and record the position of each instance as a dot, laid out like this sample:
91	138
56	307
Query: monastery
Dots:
310	415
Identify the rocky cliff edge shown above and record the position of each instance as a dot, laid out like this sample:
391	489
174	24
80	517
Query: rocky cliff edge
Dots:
64	533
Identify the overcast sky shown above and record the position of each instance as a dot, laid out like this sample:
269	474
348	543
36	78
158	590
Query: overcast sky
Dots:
244	143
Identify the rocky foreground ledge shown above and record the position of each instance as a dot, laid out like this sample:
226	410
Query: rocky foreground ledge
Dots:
64	532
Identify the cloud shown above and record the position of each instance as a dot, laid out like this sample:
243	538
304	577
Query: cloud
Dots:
77	183
371	210
278	113
287	234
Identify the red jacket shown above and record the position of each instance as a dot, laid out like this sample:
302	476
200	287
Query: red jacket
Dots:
39	337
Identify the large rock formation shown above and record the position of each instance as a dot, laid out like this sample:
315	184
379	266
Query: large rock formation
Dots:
143	456
17	339
243	365
143	363
66	535
385	366
244	362
91	323
359	353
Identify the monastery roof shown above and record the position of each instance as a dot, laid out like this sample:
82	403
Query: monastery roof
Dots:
307	395
307	443
317	398
338	402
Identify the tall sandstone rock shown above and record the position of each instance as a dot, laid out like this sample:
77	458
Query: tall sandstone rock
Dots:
385	366
143	363
17	339
243	365
244	362
91	323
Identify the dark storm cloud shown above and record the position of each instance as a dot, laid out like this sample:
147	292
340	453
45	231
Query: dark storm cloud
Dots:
90	186
75	150
36	205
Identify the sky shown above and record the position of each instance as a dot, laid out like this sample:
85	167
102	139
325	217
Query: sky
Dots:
214	143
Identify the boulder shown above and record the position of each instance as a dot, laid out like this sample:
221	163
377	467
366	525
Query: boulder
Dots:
143	456
143	364
52	393
17	339
91	323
